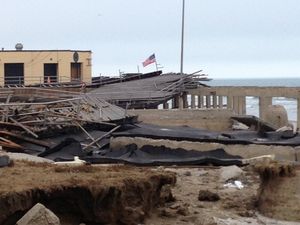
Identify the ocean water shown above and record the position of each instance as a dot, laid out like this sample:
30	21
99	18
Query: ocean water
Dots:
286	82
252	102
289	104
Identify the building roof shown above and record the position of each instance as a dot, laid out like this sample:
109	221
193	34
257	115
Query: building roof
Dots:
51	50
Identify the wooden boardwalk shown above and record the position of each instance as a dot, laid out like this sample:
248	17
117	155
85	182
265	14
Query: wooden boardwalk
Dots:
149	92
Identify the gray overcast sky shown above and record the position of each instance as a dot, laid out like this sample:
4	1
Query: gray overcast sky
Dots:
225	38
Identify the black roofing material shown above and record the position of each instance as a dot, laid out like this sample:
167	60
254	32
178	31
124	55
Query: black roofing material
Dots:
146	156
65	147
198	135
64	151
183	133
163	156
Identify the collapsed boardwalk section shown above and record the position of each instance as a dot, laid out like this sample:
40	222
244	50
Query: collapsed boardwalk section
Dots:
28	114
105	195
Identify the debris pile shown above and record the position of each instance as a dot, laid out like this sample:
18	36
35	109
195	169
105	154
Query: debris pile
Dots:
30	114
61	125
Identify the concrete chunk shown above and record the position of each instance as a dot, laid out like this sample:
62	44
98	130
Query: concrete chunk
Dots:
4	160
39	215
277	116
230	172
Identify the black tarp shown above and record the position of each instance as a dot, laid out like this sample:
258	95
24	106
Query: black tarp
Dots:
160	155
64	151
146	156
185	133
57	141
65	147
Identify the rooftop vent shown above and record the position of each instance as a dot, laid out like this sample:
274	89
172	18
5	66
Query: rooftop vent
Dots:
19	47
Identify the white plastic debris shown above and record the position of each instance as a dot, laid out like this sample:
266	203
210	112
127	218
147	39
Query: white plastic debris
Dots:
285	128
238	184
235	184
76	162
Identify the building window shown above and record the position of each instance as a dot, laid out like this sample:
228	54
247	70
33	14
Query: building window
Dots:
14	73
50	72
76	72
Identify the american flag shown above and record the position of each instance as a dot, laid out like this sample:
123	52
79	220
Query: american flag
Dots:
149	60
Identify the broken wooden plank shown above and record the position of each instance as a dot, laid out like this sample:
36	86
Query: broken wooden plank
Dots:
9	144
10	126
26	139
6	109
101	137
24	127
38	103
87	133
87	121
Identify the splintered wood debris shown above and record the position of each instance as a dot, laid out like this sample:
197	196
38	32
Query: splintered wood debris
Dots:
33	112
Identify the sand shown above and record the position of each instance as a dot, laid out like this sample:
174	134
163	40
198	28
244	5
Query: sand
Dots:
236	206
121	194
88	194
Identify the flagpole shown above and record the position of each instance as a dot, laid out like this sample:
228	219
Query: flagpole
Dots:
156	65
182	38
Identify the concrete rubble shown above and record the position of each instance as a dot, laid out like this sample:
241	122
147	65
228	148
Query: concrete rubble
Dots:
4	160
230	173
39	215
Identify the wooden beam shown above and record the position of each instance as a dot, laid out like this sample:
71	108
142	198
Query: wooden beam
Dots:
26	139
24	127
4	117
87	133
101	137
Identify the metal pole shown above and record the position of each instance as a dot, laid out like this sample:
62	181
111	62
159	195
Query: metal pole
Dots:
120	74
182	38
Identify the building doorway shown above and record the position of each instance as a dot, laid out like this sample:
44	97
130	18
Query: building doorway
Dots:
75	71
50	72
14	73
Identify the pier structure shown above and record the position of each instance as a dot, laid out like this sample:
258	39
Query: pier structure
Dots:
233	98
